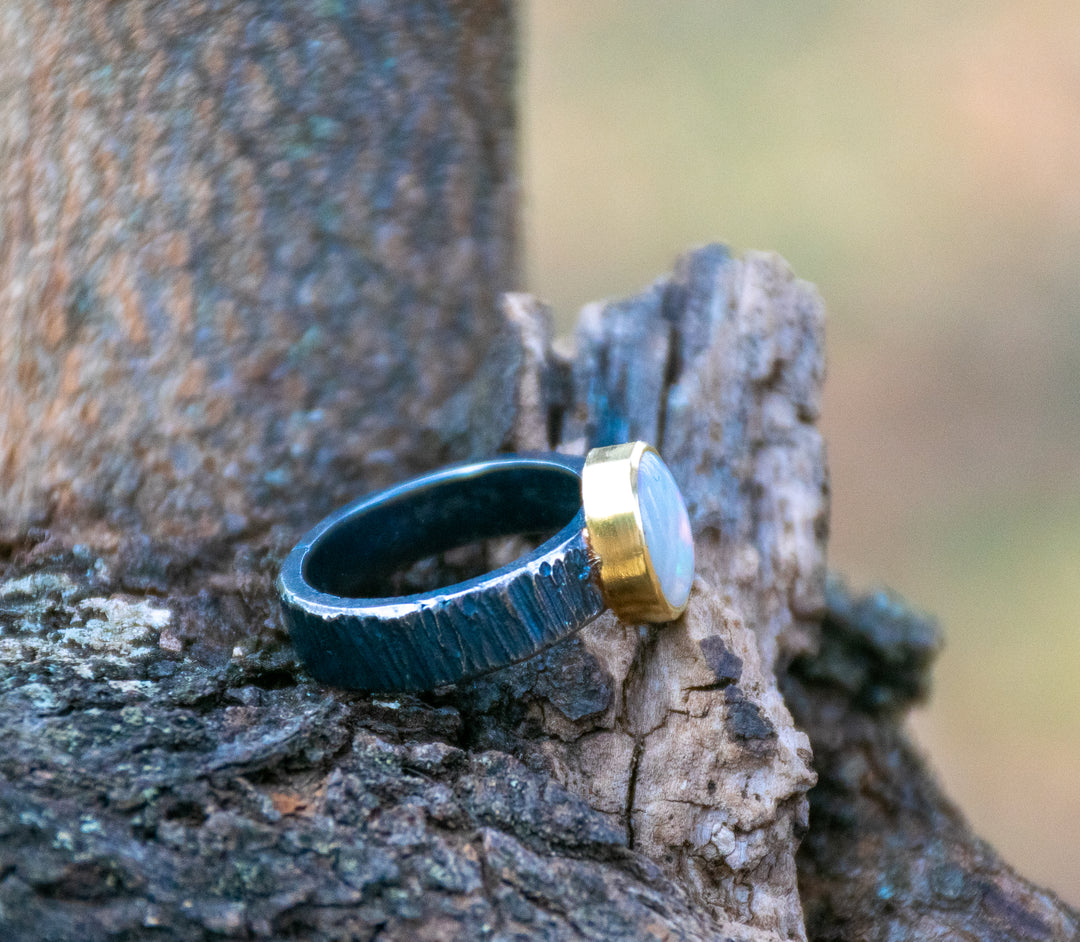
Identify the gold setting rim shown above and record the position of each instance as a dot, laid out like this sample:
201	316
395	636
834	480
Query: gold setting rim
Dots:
616	534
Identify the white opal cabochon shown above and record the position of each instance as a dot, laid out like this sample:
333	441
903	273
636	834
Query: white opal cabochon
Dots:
668	539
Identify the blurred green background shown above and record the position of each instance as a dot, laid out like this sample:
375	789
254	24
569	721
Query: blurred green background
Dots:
920	162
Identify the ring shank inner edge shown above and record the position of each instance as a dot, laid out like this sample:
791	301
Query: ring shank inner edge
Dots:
362	550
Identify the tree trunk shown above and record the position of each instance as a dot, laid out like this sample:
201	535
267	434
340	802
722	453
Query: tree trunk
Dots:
251	264
251	253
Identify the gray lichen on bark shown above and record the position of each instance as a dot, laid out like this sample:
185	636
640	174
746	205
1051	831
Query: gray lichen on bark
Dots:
156	787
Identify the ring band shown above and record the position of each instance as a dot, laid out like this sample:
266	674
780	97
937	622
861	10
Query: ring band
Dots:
611	519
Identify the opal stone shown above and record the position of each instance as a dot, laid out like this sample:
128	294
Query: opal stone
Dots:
667	528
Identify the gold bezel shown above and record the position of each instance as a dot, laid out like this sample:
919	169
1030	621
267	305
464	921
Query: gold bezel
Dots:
616	534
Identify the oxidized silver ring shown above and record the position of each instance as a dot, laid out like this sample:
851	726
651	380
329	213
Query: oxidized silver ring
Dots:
622	540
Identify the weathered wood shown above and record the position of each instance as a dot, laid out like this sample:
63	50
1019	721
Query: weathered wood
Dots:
691	749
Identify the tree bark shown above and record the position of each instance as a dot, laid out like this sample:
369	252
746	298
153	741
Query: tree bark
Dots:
250	269
888	856
250	255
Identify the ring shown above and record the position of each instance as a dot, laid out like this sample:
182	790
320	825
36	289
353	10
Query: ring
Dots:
622	540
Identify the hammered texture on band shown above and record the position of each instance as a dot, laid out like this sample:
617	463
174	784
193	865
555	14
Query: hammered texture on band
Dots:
458	634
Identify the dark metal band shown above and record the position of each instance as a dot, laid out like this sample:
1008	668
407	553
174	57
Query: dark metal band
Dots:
422	641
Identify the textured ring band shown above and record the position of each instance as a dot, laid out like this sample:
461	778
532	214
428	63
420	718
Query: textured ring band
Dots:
613	512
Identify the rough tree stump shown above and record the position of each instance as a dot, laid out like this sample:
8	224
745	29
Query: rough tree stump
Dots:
250	267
